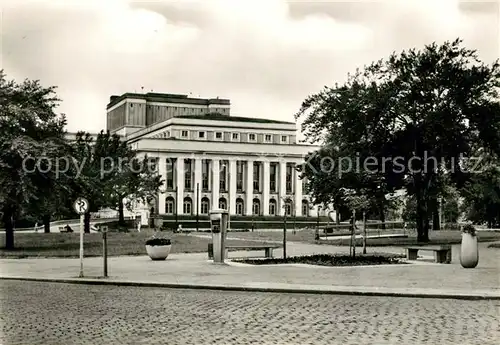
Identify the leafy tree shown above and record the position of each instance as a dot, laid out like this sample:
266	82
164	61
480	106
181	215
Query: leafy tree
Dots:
110	172
53	188
134	182
451	211
410	210
423	110
86	179
29	128
482	197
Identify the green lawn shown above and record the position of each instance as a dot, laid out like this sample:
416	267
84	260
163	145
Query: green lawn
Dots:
436	237
276	235
68	245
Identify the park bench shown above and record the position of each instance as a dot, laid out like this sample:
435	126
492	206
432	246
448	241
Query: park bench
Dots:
267	248
442	253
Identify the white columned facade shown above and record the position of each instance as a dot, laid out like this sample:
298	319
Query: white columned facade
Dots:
298	193
249	189
215	183
282	187
179	180
232	186
265	188
162	170
197	186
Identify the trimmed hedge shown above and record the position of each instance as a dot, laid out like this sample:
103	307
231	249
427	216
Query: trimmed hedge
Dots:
330	260
237	225
245	218
112	226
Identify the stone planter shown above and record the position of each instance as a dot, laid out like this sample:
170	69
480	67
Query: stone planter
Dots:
158	252
469	251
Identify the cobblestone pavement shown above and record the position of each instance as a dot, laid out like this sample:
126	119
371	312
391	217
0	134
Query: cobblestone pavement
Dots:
55	313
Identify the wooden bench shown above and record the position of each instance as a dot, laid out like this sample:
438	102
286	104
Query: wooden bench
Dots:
267	248
442	254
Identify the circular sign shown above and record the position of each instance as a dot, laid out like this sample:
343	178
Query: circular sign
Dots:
81	205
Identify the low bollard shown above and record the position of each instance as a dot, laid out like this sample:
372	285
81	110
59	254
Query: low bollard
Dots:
104	230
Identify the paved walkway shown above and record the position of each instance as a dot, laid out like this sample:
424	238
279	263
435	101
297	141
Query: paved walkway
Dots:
420	278
61	314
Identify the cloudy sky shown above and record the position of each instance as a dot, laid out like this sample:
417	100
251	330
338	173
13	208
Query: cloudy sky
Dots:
264	55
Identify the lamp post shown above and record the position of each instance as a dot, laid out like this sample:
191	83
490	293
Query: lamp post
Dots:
317	220
285	199
284	233
197	206
176	203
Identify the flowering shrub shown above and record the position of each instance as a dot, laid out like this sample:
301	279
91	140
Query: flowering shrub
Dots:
154	241
469	229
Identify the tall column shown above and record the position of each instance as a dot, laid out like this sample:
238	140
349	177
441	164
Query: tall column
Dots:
265	187
179	180
298	193
249	189
232	186
197	187
282	188
215	184
162	170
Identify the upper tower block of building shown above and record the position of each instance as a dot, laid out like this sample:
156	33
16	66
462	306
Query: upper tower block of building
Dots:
132	111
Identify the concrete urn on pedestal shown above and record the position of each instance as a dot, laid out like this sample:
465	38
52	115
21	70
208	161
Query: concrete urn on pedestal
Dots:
469	249
158	248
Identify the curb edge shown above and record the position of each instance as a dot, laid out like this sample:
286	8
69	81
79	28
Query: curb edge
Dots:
103	281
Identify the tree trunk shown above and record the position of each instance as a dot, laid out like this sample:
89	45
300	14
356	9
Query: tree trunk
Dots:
433	206
9	227
121	217
436	225
86	223
353	234
46	223
364	232
382	215
422	222
422	219
337	218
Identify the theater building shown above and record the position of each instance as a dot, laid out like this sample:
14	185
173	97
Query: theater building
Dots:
210	159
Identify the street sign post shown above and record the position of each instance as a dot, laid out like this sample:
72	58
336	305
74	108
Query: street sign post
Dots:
104	230
81	206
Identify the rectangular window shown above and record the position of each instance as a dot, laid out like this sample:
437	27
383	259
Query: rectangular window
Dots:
304	186
201	135
187	174
252	137
222	176
284	138
169	207
256	177
184	134
289	175
235	136
268	138
170	173
272	177
218	135
205	169
239	176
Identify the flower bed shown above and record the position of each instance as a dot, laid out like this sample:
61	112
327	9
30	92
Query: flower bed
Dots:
331	260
